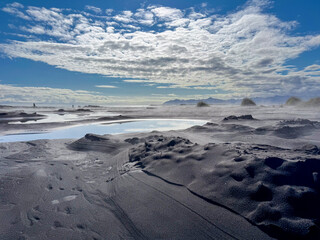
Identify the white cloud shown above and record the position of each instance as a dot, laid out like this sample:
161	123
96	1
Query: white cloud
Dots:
35	29
136	81
110	29
93	9
129	26
314	67
124	17
13	9
182	22
164	95
195	15
144	17
200	23
51	22
105	86
16	5
204	5
167	13
109	11
244	52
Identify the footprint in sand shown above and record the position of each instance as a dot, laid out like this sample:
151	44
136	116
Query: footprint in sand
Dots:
80	226
37	208
57	224
67	210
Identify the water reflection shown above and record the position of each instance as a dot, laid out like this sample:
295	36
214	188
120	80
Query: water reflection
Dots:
62	117
114	128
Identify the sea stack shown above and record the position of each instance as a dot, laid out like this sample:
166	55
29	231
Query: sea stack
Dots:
247	102
293	101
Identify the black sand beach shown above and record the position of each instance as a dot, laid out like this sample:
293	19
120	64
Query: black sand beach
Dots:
236	177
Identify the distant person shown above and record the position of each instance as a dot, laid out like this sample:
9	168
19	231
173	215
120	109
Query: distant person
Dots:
34	105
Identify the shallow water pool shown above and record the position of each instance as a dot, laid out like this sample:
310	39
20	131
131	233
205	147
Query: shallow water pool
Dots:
60	117
105	128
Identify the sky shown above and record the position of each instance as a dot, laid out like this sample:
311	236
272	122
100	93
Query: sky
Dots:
147	52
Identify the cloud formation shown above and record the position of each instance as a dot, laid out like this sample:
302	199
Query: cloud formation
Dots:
94	9
241	53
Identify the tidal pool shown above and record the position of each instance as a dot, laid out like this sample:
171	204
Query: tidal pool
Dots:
105	128
60	117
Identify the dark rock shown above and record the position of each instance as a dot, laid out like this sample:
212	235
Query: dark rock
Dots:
248	102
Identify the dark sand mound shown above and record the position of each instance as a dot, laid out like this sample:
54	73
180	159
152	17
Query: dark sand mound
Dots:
299	121
202	104
290	129
61	110
241	128
274	188
311	149
83	110
235	118
237	128
293	101
295	128
224	127
5	106
248	102
19	115
113	118
94	142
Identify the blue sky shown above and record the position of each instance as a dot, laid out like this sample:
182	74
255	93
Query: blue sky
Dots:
132	51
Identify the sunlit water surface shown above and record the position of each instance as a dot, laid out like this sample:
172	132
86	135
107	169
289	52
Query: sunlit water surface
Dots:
114	128
62	117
